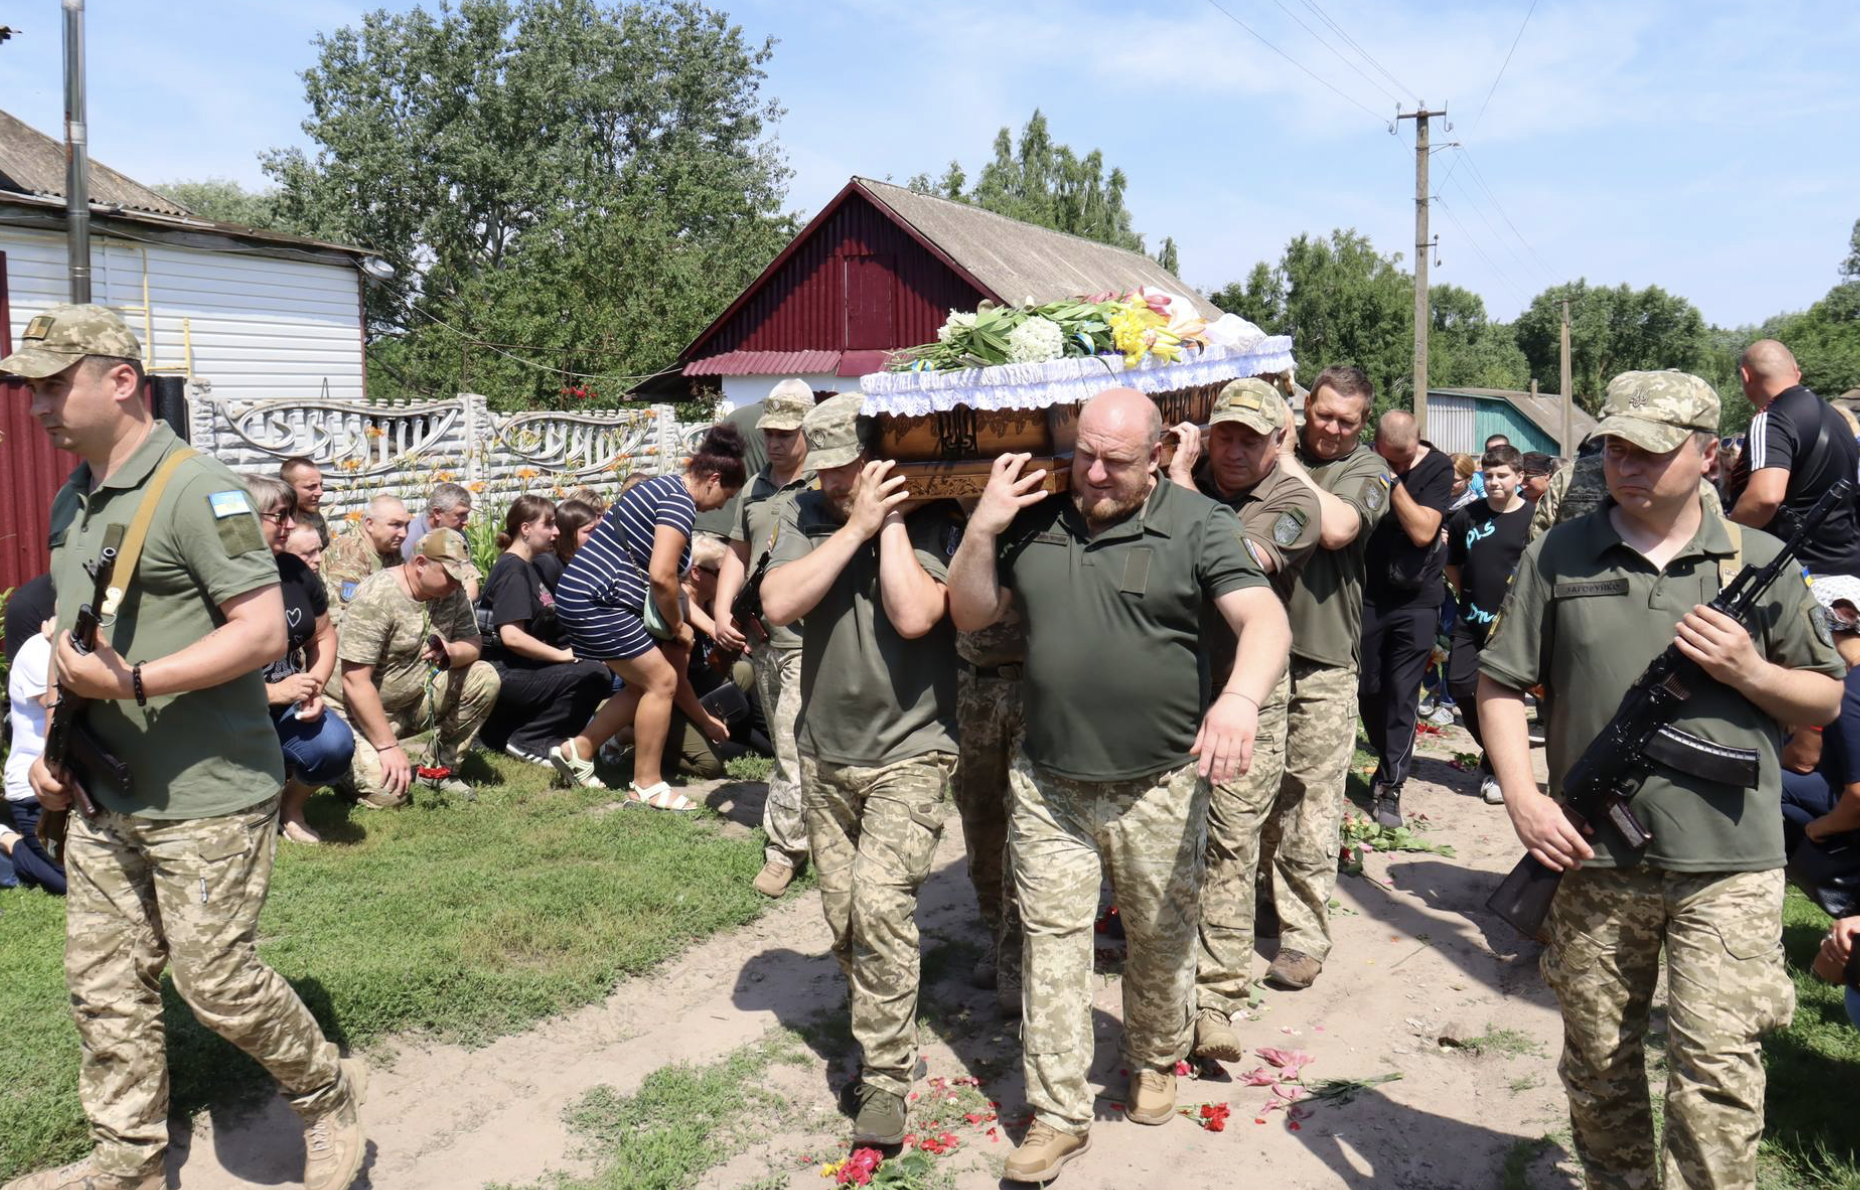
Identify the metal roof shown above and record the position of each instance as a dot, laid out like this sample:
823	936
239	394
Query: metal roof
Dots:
1545	410
765	363
33	163
1020	260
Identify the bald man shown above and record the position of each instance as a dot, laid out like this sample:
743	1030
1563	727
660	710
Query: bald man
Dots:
1121	742
1405	563
1798	445
354	555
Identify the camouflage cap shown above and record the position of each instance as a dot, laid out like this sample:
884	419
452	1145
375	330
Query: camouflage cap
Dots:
449	548
832	429
1251	402
786	406
1657	410
63	335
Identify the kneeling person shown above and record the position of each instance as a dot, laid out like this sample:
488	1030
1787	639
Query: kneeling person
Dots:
876	729
398	681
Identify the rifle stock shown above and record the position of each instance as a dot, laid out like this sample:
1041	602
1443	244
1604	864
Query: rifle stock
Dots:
1611	769
71	751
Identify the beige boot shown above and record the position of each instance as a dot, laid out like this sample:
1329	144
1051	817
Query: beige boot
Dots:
334	1144
1215	1037
82	1175
1151	1099
1042	1153
774	878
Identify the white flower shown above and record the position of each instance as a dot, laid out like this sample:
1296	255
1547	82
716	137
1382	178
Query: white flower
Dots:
958	321
1035	341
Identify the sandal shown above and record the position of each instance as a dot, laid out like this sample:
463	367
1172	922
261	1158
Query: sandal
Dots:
660	797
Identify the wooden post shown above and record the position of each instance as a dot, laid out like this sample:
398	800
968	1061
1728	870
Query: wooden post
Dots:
1569	398
1421	311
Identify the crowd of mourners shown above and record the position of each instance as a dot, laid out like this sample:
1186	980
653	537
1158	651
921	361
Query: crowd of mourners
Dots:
1155	676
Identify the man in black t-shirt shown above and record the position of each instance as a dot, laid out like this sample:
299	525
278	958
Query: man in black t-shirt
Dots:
1797	447
1484	542
1401	603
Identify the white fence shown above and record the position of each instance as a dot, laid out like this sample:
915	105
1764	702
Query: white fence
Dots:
403	448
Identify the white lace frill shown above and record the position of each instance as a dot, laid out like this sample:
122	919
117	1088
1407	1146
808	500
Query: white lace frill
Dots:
1063	381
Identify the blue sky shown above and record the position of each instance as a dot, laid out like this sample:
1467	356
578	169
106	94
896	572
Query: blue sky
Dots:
1705	146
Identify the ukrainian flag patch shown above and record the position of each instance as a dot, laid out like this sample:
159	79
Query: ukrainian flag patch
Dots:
232	503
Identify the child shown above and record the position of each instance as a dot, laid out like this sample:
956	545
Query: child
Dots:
1484	541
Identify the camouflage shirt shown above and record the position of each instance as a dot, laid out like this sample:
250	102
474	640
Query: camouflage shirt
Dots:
348	560
387	629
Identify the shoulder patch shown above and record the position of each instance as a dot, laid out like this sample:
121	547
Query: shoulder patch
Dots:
1374	493
230	503
1286	529
38	328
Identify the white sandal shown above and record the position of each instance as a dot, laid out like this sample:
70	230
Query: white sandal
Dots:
660	797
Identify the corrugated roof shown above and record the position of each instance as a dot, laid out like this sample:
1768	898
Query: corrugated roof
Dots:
33	163
1544	409
765	363
1019	260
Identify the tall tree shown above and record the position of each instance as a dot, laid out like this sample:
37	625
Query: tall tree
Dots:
1468	350
227	201
561	186
1611	331
1850	268
1044	183
1168	257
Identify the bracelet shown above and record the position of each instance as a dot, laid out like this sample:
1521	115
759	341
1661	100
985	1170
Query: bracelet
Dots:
388	748
135	679
1237	694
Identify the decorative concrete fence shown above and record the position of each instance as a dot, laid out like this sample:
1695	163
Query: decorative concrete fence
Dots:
403	448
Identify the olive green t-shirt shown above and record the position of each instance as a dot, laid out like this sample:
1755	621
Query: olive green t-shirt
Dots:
1113	683
1326	607
870	697
207	752
1280	517
1585	614
386	628
757	520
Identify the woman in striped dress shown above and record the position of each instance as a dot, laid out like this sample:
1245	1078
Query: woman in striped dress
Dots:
638	553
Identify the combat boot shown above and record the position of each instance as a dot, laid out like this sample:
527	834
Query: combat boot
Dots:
1151	1098
1293	970
774	878
1385	807
881	1117
83	1175
1043	1152
1215	1037
334	1144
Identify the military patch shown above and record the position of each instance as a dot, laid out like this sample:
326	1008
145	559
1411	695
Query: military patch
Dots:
38	328
1286	529
1373	494
225	504
1051	538
1824	630
1607	586
348	590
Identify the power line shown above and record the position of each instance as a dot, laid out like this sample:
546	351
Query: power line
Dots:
1478	210
1337	53
1321	80
1480	252
1479	177
1365	54
1507	62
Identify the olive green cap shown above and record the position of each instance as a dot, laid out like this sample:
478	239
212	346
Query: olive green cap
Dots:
449	548
63	335
1251	402
1657	410
832	429
786	406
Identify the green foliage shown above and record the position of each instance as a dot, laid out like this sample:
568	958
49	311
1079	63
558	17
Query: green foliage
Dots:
227	201
1808	1136
561	186
1168	257
1610	331
1467	350
1046	184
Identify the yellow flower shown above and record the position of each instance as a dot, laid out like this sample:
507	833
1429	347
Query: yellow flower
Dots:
476	485
354	517
831	1171
375	432
351	464
526	473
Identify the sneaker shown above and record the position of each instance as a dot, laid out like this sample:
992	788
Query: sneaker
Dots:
526	756
774	878
1041	1154
82	1175
1440	716
443	782
1489	790
1215	1037
985	973
880	1120
1151	1098
333	1143
573	770
1386	808
1535	731
1293	970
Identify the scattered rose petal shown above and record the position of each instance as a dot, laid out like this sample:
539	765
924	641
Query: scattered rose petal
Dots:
1259	1077
1290	1092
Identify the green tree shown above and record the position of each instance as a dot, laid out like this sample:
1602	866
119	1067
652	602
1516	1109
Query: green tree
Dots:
1167	256
226	201
1260	299
561	186
1047	184
1468	350
1611	331
1850	268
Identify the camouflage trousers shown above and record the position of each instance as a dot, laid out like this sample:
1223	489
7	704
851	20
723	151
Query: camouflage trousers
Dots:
1237	813
873	832
147	894
778	687
1152	834
454	706
1303	834
1726	986
988	716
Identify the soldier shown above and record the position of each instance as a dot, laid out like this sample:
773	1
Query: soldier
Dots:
1280	517
1593	601
397	680
989	724
1110	584
1326	609
1580	488
878	703
352	557
307	481
175	867
778	659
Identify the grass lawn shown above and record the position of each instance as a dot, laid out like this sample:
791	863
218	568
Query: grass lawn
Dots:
1809	1139
460	921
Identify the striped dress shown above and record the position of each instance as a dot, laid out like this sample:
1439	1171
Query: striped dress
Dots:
600	597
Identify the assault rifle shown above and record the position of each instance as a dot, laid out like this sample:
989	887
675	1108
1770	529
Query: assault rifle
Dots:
71	750
746	608
1601	783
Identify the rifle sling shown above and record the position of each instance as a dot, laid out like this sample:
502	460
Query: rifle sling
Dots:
1703	759
131	551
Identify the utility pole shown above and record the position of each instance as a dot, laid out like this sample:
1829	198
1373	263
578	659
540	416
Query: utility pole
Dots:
1569	398
1420	117
77	156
